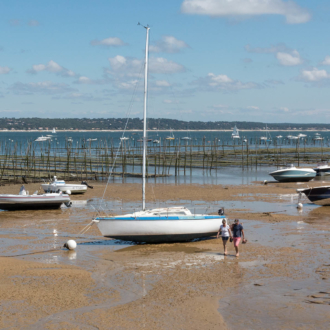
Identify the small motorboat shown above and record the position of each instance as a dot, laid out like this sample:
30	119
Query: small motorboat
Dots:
69	188
322	169
42	138
293	174
24	201
124	138
90	139
317	195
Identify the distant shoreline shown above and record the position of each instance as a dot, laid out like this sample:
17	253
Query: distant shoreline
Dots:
140	130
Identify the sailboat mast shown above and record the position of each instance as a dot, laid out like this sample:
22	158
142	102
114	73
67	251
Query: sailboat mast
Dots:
145	123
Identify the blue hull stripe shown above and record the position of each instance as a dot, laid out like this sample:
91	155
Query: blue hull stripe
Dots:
162	238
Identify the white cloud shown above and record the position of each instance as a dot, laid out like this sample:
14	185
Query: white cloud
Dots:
132	66
288	59
162	65
52	67
33	22
314	75
222	82
108	42
326	60
168	44
84	80
284	109
162	83
293	13
252	107
4	69
218	80
44	87
171	101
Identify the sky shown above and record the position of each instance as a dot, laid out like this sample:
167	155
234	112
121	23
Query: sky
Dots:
209	60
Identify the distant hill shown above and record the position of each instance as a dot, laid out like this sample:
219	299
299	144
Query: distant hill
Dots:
136	123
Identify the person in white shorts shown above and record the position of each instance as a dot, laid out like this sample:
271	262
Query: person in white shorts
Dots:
225	232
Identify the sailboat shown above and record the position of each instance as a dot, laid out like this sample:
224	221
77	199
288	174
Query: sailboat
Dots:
168	224
54	131
186	138
235	134
171	136
267	137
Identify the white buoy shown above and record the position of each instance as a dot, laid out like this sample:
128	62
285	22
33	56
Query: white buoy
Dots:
299	206
68	192
265	181
70	244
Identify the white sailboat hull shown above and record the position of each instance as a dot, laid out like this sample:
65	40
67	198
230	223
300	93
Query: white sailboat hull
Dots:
158	231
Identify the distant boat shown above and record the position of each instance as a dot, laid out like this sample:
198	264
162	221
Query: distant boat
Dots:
141	140
235	134
293	174
42	138
69	139
90	139
322	169
317	137
301	135
24	201
317	195
54	131
279	137
171	136
156	141
292	137
186	137
124	138
267	137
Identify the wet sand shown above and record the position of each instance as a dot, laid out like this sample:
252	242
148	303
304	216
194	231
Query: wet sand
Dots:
280	281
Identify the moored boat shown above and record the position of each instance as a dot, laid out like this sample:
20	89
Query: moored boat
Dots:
317	195
235	134
24	201
322	169
70	188
293	174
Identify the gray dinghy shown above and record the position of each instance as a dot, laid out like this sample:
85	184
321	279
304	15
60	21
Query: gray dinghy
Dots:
24	201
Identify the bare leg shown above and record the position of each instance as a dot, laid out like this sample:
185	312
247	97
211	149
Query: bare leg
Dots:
224	247
236	248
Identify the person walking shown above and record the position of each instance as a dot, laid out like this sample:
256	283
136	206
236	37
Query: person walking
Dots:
238	232
225	234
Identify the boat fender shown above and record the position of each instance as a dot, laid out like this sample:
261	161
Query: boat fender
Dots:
70	244
299	206
68	192
86	184
68	204
265	181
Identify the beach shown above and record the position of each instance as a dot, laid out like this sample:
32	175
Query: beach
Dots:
281	279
